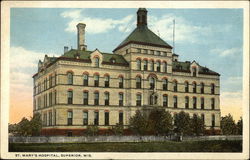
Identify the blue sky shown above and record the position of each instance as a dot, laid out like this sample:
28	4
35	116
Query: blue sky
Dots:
211	37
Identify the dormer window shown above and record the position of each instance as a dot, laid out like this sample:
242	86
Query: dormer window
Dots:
194	72
96	60
112	60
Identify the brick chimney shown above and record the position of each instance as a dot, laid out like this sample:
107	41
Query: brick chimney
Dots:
81	36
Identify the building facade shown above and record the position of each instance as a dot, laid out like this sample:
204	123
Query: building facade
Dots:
82	87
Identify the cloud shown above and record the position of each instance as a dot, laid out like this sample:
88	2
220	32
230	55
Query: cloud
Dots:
95	25
226	52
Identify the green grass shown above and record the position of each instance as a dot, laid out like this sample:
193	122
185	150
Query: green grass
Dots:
168	146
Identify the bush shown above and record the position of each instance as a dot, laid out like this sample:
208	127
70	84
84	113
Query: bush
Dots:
117	129
92	130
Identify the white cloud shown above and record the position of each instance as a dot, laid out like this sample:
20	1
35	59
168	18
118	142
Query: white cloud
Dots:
226	52
95	25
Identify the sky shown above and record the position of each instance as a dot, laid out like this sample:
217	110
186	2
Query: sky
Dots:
211	37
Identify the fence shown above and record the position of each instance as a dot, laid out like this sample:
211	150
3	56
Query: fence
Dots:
85	139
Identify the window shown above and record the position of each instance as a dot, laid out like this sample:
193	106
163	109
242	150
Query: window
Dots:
120	99
55	117
139	50
175	102
186	102
145	51
212	103
45	119
138	82
213	120
145	65
39	102
158	66
157	53
106	98
203	118
202	103
151	99
96	80
165	84
194	87
120	82
138	64
85	98
50	118
50	99
85	118
85	79
106	117
175	86
70	97
202	87
70	117
69	133
50	81
106	81
70	78
151	51
96	62
120	117
126	51
96	98
138	100
164	65
194	102
186	87
151	65
194	72
212	88
152	82
45	100
96	118
165	100
55	97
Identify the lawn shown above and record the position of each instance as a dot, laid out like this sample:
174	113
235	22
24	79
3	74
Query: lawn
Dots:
168	146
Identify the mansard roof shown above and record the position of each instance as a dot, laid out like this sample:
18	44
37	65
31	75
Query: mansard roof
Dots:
185	67
143	35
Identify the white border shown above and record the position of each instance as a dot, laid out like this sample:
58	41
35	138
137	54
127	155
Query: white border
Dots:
5	50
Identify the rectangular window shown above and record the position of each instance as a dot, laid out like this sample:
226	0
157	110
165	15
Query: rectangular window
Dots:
106	83
106	99
186	102
145	66
138	50
55	98
194	102
50	81
120	99
202	103
96	98
138	100
212	103
165	100
96	118
55	117
45	119
85	80
120	117
175	102
50	99
85	98
96	80
50	118
70	117
85	118
106	117
213	120
120	82
70	97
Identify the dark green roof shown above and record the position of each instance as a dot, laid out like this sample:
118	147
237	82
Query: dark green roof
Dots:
143	35
108	58
185	67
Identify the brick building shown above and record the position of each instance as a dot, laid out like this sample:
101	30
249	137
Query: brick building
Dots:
82	87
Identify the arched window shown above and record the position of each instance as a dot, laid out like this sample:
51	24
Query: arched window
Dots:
165	100
152	82
186	87
138	99
175	86
164	66
175	102
151	65
96	62
120	99
145	65
202	102
158	66
70	77
194	102
96	98
212	103
202	87
106	80
151	99
106	98
165	84
138	82
212	88
120	82
138	64
85	98
194	87
85	79
186	102
96	80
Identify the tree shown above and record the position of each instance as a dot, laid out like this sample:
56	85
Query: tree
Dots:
239	126
13	129
92	130
138	123
36	124
197	125
23	127
182	123
228	125
117	129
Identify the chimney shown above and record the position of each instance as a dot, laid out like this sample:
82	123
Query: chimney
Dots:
142	17
81	36
66	49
